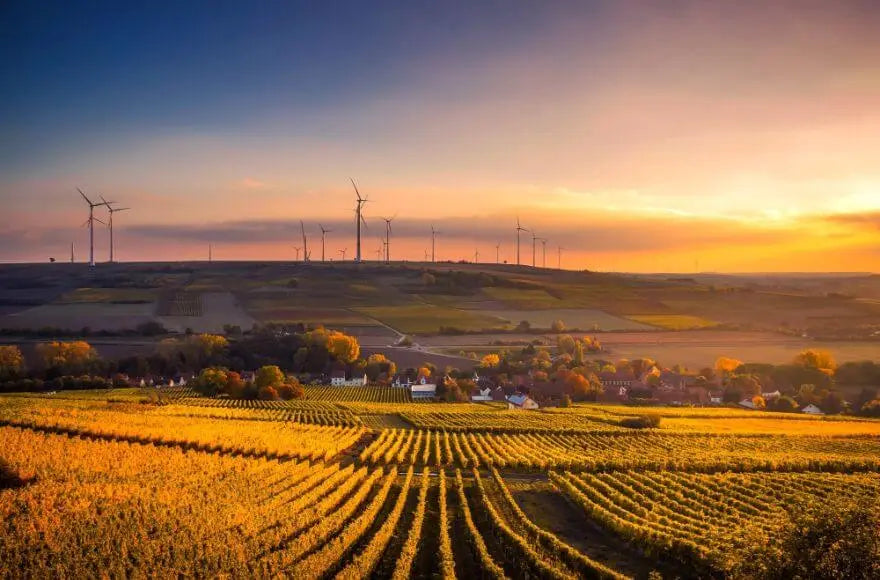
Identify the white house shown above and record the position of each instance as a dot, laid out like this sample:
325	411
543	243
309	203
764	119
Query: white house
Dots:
337	379
483	395
401	384
772	394
748	404
521	402
812	409
422	389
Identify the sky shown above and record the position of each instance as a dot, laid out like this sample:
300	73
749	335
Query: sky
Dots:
631	136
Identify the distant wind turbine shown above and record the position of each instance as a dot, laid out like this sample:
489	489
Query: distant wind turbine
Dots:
498	253
476	255
543	252
433	241
535	238
359	219
91	224
388	238
72	256
342	251
379	251
519	229
559	257
305	242
112	210
324	232
297	248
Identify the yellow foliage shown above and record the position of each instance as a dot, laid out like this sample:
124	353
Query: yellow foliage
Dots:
490	360
60	354
726	365
817	359
11	361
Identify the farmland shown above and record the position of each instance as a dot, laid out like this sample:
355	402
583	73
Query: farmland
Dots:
352	482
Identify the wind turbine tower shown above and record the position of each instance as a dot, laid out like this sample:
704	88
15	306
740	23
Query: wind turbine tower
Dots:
305	242
543	252
498	253
433	241
476	256
388	239
519	229
297	248
535	238
72	257
359	219
342	251
112	210
91	223
559	257
323	233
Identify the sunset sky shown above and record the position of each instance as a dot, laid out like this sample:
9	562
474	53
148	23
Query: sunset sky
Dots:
652	136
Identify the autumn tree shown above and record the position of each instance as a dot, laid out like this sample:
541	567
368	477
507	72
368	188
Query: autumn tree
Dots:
377	364
641	366
816	359
565	344
268	394
235	386
557	326
490	361
210	382
11	362
291	389
268	376
69	358
726	365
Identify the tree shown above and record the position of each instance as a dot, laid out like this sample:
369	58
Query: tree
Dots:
210	382
759	402
641	366
748	385
267	394
783	404
725	365
580	387
817	359
11	362
71	358
291	390
378	365
565	344
557	326
565	401
832	403
871	408
268	376
490	361
234	385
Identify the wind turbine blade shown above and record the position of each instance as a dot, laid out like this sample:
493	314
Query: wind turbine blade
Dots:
88	201
356	189
121	209
99	221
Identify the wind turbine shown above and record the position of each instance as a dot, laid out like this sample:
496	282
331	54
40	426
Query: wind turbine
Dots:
342	251
112	210
559	257
433	241
388	238
426	255
323	233
91	223
476	255
519	229
498	253
379	251
535	238
305	242
359	219
210	253
72	257
543	252
297	248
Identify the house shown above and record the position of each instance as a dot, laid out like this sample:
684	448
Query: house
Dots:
337	379
422	389
812	409
748	404
521	402
716	397
772	395
618	379
482	395
248	376
401	382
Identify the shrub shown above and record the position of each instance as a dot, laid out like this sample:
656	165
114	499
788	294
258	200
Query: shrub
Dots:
291	390
268	394
565	401
871	408
641	422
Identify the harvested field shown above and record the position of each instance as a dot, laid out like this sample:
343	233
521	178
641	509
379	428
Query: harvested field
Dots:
93	315
217	310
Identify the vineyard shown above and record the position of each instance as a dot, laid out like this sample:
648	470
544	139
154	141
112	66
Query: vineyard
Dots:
322	487
180	304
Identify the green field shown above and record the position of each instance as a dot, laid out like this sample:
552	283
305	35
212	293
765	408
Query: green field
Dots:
673	321
427	319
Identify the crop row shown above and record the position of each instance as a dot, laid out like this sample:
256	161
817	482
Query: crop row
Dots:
700	519
602	452
370	394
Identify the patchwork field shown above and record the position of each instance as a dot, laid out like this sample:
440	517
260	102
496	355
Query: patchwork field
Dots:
351	484
78	315
673	321
582	319
427	319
